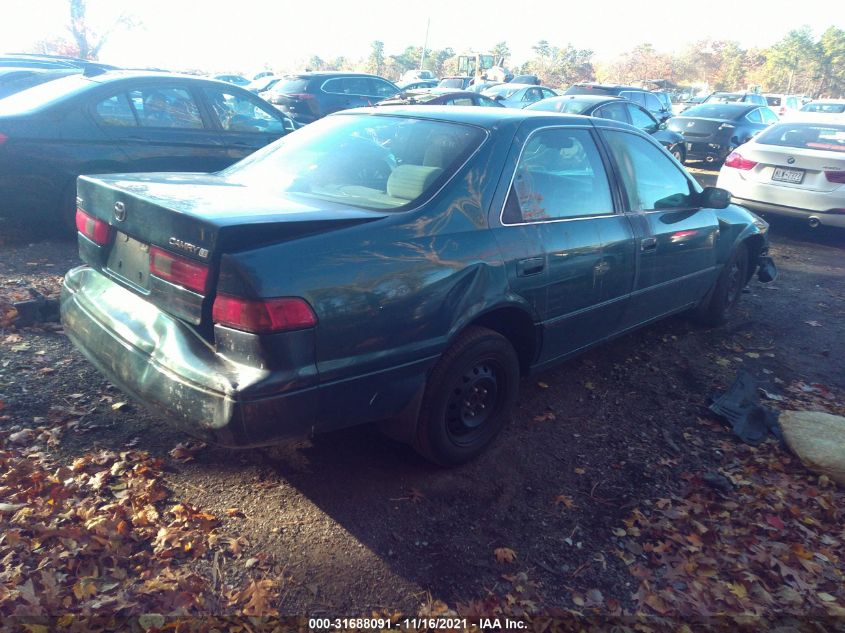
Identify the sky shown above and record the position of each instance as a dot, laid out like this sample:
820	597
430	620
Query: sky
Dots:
250	35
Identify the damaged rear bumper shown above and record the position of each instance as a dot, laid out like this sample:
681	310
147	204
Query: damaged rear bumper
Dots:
165	364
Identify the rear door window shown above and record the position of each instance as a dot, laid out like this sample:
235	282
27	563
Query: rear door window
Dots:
164	106
115	111
768	116
560	175
634	95
379	88
755	116
460	101
652	103
613	111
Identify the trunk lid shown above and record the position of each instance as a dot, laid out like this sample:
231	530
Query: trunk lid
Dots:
197	217
797	168
695	127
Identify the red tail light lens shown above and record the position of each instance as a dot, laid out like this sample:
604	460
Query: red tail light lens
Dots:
93	228
3	138
178	270
835	176
736	161
263	316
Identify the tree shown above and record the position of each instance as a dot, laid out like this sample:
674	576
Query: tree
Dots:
375	62
559	66
89	41
832	62
794	63
500	51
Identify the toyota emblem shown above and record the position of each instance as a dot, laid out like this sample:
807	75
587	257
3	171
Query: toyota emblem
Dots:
119	211
791	160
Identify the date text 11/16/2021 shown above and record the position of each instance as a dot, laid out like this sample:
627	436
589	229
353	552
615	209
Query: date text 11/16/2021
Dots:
381	624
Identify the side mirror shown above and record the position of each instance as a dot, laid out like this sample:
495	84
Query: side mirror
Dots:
662	126
498	97
714	198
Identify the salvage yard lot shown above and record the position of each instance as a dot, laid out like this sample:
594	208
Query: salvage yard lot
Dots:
594	499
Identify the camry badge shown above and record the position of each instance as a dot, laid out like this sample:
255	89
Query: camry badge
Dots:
791	160
119	211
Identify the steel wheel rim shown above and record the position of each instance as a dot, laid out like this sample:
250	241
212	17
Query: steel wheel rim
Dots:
473	401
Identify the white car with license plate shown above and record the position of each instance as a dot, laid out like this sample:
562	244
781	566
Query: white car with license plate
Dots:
795	169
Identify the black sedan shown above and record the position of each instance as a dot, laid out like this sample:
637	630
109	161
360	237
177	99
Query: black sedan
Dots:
346	275
441	96
120	121
711	131
616	109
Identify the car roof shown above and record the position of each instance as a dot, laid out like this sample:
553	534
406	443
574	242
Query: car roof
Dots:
585	98
330	73
595	84
483	117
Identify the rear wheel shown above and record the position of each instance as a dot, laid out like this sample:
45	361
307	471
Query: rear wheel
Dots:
679	153
468	397
728	290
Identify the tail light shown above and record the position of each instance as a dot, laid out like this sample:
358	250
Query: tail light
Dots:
262	316
736	161
93	228
782	111
178	270
835	176
3	138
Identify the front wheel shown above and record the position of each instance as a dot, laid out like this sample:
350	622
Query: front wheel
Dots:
468	397
679	153
725	296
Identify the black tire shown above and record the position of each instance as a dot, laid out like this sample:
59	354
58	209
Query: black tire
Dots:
468	397
679	153
728	290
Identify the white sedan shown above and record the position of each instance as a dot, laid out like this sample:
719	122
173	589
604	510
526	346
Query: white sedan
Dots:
795	169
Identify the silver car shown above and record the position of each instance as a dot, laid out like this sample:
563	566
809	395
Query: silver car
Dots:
518	95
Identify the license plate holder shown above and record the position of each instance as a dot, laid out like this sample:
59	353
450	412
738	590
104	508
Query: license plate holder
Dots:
792	176
130	261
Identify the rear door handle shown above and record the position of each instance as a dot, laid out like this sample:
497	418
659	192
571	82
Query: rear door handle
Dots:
648	244
530	266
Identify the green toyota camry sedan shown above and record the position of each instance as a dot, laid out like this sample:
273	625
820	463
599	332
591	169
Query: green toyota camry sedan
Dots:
403	266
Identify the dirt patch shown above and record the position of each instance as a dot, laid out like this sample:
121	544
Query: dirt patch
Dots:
353	522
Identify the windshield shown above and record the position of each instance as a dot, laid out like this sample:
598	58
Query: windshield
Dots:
716	111
805	136
567	106
369	161
826	108
503	90
44	94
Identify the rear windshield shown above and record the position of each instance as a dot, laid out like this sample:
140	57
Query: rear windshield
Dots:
716	111
773	101
826	108
503	90
805	136
291	85
589	90
454	82
567	106
44	94
724	98
368	161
